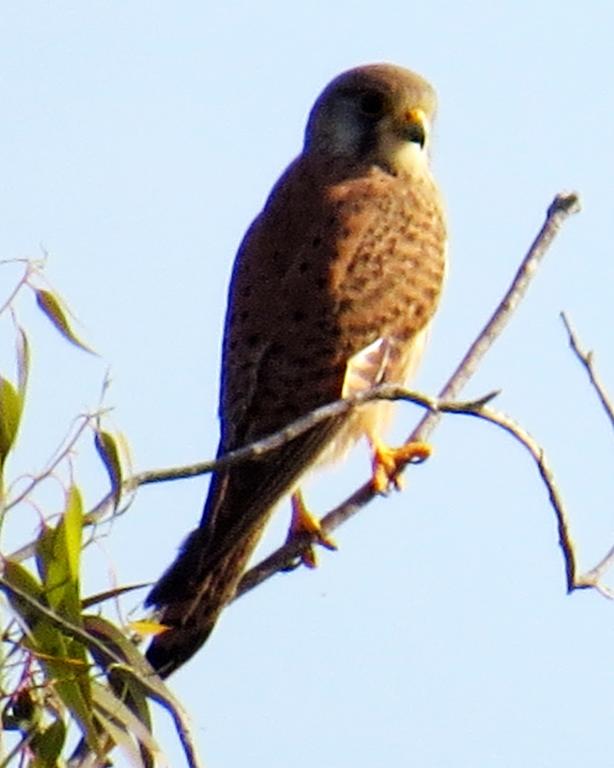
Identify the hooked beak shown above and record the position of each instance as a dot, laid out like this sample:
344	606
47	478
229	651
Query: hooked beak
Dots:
414	125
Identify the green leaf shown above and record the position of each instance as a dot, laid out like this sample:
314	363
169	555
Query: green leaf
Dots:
117	643
72	685
121	738
62	658
108	451
10	415
58	557
47	746
109	705
14	574
23	362
51	306
70	528
112	594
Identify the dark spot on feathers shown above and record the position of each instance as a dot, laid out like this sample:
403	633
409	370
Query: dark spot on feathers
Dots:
277	349
252	340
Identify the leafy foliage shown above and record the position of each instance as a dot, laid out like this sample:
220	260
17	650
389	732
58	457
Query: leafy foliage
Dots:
66	675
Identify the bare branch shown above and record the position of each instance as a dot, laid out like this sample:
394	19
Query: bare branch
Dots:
260	447
76	430
547	476
592	578
559	210
588	361
337	408
253	450
23	280
563	206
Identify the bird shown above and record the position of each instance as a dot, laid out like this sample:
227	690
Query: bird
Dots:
333	290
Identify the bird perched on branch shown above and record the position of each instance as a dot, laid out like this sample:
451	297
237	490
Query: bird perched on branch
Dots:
332	292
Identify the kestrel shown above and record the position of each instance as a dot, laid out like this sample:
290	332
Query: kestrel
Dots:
332	291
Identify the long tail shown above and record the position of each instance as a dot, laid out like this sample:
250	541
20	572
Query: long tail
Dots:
191	596
193	592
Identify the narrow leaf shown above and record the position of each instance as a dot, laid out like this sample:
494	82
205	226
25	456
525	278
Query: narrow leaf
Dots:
23	362
14	574
109	453
58	557
62	658
126	686
111	594
51	306
47	746
71	526
52	567
118	645
116	708
10	415
120	738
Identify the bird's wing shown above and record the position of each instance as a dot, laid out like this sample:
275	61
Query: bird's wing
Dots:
309	291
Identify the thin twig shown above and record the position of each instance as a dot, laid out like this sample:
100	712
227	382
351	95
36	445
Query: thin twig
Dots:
547	475
559	210
66	447
19	748
259	448
592	578
24	279
588	361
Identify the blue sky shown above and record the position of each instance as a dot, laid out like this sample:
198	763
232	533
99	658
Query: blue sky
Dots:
138	140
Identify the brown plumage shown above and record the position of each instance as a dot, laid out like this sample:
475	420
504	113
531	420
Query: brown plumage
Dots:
349	249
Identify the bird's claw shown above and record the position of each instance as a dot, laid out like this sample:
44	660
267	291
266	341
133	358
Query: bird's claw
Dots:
304	522
387	462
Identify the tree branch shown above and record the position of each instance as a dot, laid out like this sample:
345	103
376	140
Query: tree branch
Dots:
592	578
563	206
587	360
559	210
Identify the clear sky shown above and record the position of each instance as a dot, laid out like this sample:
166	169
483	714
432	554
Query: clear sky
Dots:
137	142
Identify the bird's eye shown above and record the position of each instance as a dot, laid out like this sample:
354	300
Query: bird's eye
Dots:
372	104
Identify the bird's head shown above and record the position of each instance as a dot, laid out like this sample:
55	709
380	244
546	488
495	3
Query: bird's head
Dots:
378	114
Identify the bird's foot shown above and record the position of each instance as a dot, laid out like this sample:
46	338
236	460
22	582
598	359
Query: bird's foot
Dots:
387	462
304	522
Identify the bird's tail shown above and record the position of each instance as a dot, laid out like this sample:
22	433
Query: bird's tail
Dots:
190	597
193	592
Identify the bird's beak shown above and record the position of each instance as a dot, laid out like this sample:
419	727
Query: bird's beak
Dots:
414	126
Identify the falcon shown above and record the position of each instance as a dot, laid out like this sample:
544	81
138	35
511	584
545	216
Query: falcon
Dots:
332	292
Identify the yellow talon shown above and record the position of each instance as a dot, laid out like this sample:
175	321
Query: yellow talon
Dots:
304	522
387	462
